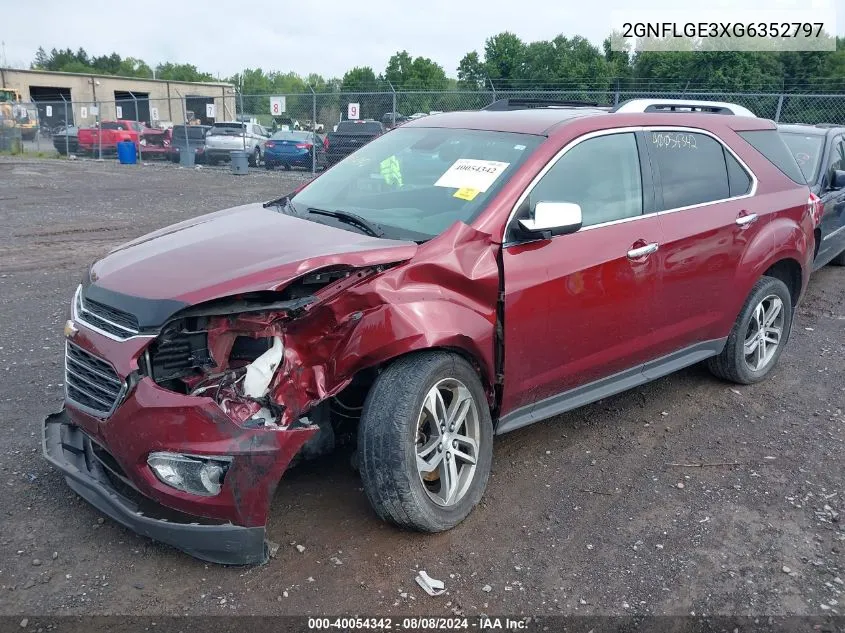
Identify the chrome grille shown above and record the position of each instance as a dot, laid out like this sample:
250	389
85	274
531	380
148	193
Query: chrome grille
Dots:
90	382
117	323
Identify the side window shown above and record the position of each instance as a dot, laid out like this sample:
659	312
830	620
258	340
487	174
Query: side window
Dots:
739	182
601	174
692	168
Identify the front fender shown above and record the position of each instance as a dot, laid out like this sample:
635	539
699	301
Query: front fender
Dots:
444	297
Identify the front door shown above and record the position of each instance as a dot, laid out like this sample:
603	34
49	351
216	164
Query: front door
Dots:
578	307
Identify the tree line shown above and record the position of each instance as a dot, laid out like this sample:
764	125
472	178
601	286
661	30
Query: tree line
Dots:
509	63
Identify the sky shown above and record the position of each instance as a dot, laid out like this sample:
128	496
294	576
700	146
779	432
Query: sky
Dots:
326	36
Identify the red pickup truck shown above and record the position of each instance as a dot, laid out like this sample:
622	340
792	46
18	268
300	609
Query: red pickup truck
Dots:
109	133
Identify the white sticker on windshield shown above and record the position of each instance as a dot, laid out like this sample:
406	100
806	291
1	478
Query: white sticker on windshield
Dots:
470	173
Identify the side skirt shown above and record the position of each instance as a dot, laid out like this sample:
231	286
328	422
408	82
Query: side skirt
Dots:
604	387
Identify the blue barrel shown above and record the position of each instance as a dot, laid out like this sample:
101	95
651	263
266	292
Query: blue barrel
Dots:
126	153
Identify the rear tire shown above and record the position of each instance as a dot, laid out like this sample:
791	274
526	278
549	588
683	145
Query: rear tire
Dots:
758	336
255	158
839	260
399	440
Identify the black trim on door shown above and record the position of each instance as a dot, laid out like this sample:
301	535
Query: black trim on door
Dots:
604	387
651	202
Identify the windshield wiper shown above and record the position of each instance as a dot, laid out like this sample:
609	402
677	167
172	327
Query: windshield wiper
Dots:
370	228
283	202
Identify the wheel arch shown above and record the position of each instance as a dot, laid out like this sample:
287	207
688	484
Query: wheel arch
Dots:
789	271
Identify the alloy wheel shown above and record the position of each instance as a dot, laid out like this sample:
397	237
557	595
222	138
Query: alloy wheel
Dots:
448	434
765	331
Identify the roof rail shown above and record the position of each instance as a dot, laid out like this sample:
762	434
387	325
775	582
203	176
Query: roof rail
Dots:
528	104
682	105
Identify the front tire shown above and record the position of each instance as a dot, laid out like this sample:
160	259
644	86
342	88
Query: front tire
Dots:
758	336
425	442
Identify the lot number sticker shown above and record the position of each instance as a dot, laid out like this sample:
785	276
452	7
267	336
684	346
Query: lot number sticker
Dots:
119	112
209	110
470	173
353	111
154	114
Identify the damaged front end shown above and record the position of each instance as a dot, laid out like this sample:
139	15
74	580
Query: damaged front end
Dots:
245	354
205	426
215	401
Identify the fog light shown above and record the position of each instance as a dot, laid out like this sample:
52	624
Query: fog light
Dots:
190	473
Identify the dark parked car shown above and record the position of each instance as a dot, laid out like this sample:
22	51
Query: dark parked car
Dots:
820	152
294	149
66	140
392	119
463	276
184	137
350	136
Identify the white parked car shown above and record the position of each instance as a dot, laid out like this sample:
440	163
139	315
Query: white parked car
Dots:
226	137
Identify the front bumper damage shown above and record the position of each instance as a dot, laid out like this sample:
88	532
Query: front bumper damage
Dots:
70	450
353	321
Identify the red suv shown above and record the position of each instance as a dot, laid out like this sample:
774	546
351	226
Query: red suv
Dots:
461	276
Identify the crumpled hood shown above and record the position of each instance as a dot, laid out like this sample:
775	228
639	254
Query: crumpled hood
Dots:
243	249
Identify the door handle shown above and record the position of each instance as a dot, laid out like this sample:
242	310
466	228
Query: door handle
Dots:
642	251
745	220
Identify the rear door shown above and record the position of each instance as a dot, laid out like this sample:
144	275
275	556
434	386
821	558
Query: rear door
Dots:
580	307
703	192
833	218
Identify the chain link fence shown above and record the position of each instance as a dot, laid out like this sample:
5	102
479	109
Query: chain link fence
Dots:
93	128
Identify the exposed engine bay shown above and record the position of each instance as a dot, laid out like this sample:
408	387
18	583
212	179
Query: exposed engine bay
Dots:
237	352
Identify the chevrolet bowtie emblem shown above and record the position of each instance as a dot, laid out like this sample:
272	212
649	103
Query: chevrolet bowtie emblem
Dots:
70	329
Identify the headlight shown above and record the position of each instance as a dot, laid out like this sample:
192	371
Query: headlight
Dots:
189	473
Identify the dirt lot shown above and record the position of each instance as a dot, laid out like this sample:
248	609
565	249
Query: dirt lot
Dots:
687	495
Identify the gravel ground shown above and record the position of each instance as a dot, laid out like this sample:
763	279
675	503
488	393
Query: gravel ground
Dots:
688	495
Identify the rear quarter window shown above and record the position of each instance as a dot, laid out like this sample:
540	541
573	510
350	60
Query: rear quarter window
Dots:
770	144
738	179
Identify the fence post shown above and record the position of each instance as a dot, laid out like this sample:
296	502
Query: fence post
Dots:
313	129
616	94
137	122
779	108
67	132
493	88
99	131
241	95
37	128
393	106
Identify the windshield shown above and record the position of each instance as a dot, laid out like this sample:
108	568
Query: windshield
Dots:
416	182
291	136
807	150
195	132
226	129
359	127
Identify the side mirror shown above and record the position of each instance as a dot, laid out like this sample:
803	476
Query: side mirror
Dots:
553	218
837	179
